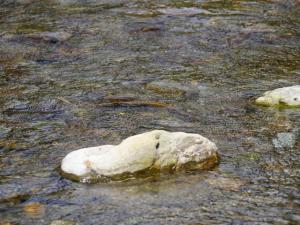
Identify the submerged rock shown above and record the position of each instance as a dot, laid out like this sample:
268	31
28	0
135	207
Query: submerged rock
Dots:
62	222
289	96
185	11
34	209
167	87
51	37
4	131
156	149
226	183
285	139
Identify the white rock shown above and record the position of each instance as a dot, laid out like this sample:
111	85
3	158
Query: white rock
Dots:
289	96
156	149
284	140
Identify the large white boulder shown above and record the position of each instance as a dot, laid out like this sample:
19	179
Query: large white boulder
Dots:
156	149
289	96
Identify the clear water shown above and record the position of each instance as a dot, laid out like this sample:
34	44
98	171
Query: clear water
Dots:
126	67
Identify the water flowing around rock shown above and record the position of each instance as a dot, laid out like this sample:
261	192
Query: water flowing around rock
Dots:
154	150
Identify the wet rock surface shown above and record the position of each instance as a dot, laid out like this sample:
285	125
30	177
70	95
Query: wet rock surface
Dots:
91	89
287	96
153	150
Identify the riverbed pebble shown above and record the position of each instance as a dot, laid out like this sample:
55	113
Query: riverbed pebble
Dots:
62	222
286	139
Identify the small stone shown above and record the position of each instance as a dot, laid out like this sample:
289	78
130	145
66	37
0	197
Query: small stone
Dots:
34	209
62	222
288	96
284	140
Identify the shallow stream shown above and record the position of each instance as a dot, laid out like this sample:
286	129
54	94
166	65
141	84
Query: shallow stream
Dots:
83	73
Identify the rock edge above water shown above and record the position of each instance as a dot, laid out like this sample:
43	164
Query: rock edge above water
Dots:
156	149
289	96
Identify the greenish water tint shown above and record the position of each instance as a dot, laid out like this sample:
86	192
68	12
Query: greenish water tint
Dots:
75	74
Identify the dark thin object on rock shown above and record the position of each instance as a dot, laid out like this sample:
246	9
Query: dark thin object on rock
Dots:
150	29
120	99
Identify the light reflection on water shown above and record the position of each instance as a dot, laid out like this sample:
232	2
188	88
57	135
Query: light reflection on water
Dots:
199	64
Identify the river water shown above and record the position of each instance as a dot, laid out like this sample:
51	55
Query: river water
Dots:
75	74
